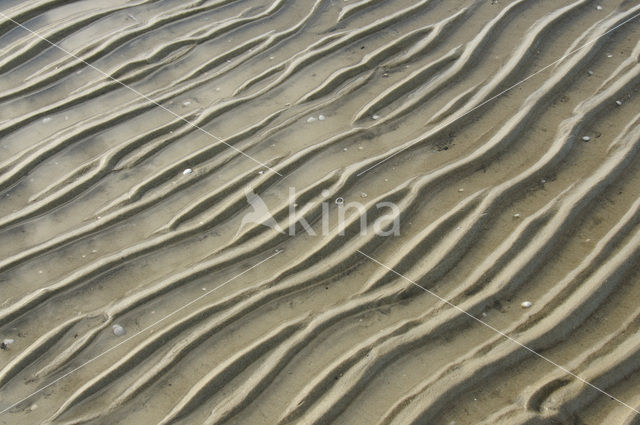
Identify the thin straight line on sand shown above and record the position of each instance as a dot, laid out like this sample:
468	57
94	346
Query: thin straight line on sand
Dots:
142	95
91	360
513	86
482	322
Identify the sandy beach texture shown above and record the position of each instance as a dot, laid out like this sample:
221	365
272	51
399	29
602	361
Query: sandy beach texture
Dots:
155	268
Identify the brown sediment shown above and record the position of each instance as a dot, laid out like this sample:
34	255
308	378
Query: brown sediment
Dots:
125	166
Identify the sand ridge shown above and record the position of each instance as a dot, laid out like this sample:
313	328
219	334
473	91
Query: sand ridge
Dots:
506	133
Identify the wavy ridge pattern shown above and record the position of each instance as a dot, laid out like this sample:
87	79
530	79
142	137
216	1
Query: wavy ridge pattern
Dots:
116	212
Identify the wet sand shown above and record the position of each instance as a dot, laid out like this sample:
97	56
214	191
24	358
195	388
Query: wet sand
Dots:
135	290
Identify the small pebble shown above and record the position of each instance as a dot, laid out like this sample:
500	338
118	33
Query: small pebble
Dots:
543	181
526	304
118	330
345	149
590	72
321	117
360	148
187	171
609	55
375	116
599	7
46	120
33	407
363	195
311	119
8	341
619	102
586	138
516	215
461	190
186	103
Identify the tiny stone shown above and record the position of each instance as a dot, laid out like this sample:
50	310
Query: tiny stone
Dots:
321	117
543	181
46	120
619	102
311	119
8	341
360	148
187	171
590	72
526	304
599	7
345	149
33	407
586	138
516	215
461	190
186	103
261	172
375	116
609	55
118	330
363	195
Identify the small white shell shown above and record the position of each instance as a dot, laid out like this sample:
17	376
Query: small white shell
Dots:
599	7
311	119
321	117
375	116
586	138
118	330
516	215
187	171
526	304
619	102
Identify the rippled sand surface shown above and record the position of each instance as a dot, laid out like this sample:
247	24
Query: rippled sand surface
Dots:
142	142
